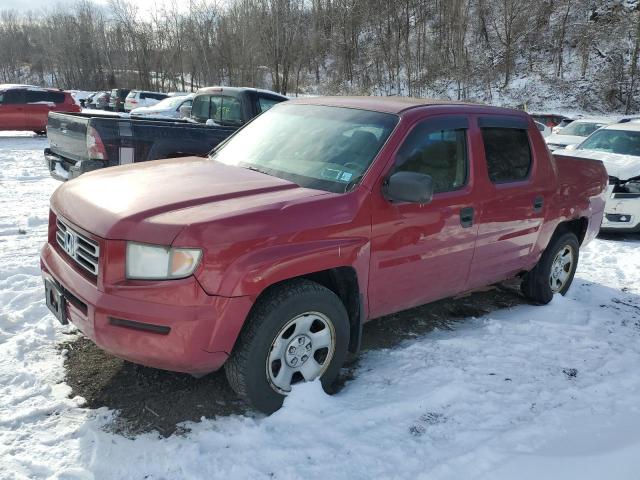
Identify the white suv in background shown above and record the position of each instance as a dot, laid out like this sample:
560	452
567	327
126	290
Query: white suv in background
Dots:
618	147
141	98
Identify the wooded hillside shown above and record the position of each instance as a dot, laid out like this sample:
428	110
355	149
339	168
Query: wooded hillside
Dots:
580	54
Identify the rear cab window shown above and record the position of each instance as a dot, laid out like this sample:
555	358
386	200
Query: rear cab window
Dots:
222	109
507	149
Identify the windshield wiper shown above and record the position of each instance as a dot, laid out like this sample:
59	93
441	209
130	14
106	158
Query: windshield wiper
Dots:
256	169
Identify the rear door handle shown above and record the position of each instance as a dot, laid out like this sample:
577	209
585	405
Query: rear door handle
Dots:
466	217
538	203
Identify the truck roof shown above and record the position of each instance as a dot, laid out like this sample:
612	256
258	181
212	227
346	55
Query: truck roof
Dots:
393	104
220	88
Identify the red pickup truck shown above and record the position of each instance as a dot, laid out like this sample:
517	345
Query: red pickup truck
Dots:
268	256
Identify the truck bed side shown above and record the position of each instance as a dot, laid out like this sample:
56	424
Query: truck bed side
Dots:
581	192
125	141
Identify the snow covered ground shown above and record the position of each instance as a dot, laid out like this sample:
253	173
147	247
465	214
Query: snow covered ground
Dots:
528	392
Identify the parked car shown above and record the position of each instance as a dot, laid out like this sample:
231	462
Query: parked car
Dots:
100	101
140	98
563	123
88	102
26	107
167	108
576	132
117	99
549	119
618	147
83	142
80	96
543	129
321	214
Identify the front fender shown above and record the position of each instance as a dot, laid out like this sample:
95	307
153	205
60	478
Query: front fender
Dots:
251	273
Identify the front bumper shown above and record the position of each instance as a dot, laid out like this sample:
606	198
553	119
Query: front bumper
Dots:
64	169
622	214
171	325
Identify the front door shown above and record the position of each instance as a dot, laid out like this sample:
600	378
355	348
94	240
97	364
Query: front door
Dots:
420	253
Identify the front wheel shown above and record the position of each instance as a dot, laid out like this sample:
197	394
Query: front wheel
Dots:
555	270
297	332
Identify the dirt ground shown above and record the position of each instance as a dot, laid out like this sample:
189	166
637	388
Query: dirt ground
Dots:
148	399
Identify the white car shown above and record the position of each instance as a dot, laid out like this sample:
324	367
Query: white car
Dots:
544	130
576	132
618	146
167	108
141	98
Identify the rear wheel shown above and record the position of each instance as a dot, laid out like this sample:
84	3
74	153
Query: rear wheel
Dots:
297	332
555	271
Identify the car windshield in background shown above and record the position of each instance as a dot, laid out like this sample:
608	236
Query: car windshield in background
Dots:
580	129
327	148
167	103
620	142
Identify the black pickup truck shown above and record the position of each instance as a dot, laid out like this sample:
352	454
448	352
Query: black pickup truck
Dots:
82	142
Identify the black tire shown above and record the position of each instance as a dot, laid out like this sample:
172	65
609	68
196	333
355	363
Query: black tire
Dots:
246	368
536	283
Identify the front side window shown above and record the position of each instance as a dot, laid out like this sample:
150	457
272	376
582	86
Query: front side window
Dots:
441	154
621	142
314	146
267	103
508	154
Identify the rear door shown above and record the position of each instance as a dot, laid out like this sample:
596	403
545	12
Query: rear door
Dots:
515	193
12	110
420	253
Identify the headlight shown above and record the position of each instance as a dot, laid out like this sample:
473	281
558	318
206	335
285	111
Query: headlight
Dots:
152	262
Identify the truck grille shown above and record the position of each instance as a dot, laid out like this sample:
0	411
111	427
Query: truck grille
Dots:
84	251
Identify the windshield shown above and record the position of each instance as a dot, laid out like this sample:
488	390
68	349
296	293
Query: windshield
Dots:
327	148
613	141
168	103
581	129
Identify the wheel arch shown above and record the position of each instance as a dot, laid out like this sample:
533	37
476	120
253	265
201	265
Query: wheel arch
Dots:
343	281
577	226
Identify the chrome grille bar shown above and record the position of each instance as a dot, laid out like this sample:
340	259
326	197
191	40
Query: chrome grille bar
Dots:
84	251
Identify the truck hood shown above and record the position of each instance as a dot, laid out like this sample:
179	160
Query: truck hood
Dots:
622	167
135	202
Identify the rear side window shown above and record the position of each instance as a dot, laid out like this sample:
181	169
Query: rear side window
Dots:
508	154
441	154
155	96
44	96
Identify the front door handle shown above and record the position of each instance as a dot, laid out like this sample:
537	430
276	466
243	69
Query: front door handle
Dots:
538	203
466	217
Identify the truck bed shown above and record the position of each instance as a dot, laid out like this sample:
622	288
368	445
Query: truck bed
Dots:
126	140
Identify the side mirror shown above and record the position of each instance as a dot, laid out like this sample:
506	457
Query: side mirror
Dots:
409	187
185	111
